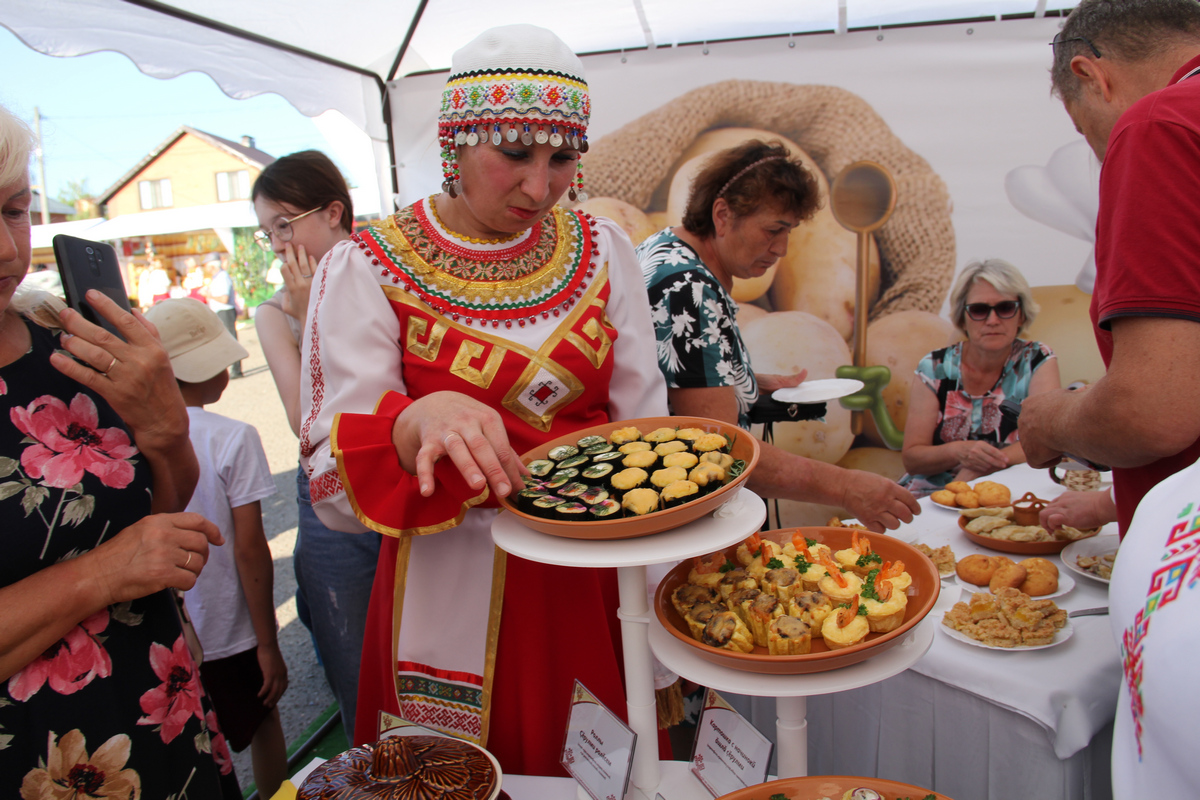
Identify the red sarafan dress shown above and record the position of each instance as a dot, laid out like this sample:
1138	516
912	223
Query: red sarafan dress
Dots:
551	328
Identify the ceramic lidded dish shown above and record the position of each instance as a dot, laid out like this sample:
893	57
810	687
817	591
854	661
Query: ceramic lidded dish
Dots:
744	448
923	593
407	768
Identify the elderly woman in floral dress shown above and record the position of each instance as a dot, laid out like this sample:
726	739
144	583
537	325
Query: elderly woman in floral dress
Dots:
100	696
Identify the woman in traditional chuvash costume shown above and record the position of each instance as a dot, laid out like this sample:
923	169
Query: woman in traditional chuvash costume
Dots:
444	341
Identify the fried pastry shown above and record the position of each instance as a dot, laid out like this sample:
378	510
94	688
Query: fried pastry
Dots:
993	494
942	558
984	525
976	569
966	499
943	497
958	486
1003	511
1007	575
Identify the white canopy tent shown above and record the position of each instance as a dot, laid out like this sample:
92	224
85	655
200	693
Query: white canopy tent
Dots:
322	57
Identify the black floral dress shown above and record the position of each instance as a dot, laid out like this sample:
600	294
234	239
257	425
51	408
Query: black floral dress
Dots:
115	709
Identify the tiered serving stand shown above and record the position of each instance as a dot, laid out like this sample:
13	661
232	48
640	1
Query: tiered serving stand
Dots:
643	634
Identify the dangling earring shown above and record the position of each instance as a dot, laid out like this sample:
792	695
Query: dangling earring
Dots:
451	184
576	191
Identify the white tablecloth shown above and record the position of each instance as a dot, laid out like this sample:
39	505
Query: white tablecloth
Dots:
974	723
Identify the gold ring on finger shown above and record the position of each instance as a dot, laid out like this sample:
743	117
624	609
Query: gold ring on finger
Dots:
189	559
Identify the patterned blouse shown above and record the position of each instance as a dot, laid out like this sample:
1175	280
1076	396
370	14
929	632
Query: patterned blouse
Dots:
699	344
977	418
115	708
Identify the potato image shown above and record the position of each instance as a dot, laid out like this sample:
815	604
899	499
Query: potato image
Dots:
632	220
1064	325
818	273
899	341
784	342
747	313
879	460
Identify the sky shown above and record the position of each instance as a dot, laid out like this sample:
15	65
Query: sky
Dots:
101	116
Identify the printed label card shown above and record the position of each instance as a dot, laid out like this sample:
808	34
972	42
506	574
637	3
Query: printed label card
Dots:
598	747
730	753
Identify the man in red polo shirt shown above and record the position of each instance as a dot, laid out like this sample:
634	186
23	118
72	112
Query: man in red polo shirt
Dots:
1124	71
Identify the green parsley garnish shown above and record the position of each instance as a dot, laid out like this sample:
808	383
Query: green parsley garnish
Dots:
868	588
802	564
781	796
727	566
810	542
862	610
868	558
774	563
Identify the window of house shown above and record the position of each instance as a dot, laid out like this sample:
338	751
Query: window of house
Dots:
233	185
155	194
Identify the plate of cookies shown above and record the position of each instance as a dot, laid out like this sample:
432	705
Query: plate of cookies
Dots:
1035	576
1007	620
959	495
798	600
622	480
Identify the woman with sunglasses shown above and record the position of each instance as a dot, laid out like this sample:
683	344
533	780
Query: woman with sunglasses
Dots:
956	428
304	209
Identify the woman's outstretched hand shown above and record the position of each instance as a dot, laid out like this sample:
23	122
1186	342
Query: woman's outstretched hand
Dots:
471	434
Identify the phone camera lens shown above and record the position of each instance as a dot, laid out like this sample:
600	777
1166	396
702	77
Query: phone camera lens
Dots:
90	251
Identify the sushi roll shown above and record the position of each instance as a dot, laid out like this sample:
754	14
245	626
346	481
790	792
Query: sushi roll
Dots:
525	499
639	502
685	460
645	460
629	479
590	441
662	478
574	462
593	495
597	474
679	492
689	435
722	460
612	456
560	478
571	512
572	490
710	443
624	435
605	509
542	468
563	451
597	449
709	477
660	435
633	447
544	506
673	446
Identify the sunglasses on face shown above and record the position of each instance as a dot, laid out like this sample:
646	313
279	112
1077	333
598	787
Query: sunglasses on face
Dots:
1006	309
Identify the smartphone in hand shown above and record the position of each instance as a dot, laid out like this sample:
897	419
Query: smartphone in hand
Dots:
85	265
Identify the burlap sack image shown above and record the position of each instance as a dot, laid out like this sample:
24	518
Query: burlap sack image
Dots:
800	314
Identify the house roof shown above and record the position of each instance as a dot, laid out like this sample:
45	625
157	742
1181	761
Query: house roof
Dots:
251	155
55	207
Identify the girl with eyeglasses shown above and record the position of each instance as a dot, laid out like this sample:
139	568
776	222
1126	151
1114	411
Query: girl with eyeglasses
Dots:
304	209
956	429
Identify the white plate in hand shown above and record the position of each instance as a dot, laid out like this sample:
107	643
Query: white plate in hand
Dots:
1060	636
817	391
1065	584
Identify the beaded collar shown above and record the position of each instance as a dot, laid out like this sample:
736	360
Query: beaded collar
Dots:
538	275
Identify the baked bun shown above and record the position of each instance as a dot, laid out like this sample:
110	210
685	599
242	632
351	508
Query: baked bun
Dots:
967	499
943	497
976	569
993	494
1039	583
1033	564
958	486
1008	575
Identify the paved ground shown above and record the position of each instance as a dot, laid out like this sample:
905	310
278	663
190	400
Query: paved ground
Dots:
253	399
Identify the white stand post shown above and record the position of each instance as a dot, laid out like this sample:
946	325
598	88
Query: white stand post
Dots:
791	731
639	675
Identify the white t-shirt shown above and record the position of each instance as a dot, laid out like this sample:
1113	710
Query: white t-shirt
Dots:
1154	606
221	285
233	472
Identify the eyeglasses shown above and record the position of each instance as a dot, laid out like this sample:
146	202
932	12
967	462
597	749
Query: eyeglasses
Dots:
1005	309
1059	40
280	229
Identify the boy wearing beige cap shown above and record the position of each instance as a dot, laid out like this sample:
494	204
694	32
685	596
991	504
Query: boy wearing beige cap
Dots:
232	604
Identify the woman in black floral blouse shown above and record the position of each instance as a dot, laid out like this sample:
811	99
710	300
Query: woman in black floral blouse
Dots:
99	696
742	207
